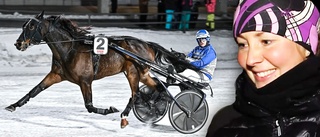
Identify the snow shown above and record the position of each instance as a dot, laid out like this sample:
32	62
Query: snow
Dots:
60	111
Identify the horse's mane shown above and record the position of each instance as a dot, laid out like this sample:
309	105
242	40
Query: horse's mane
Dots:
70	26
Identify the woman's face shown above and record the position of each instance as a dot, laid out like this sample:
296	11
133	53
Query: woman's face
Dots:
266	56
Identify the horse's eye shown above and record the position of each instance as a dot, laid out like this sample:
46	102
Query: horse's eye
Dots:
31	27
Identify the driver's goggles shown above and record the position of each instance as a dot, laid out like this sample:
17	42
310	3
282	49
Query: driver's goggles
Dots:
203	40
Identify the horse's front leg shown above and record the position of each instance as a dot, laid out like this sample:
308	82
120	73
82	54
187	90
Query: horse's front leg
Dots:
134	76
87	96
133	79
49	80
125	113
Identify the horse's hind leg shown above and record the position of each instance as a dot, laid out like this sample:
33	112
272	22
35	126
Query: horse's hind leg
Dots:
49	80
87	96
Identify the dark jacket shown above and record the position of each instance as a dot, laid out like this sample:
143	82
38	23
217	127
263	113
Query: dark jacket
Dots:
288	106
186	5
143	6
172	5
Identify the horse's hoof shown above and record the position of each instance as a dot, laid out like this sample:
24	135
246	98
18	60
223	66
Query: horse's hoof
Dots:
124	123
10	108
113	109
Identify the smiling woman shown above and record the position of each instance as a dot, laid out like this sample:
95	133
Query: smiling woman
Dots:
277	94
266	56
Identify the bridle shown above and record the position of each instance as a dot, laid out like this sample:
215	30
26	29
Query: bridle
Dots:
36	34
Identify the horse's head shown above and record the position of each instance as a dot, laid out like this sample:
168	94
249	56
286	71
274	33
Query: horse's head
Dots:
33	32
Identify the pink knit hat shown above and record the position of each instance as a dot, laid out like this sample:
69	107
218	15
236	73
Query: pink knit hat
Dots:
297	20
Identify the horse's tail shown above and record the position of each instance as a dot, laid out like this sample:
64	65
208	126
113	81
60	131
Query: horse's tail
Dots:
166	57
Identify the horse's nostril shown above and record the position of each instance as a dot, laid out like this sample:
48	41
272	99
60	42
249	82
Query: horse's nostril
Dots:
17	44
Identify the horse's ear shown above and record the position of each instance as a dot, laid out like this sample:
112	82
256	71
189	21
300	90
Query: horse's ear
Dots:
40	16
57	19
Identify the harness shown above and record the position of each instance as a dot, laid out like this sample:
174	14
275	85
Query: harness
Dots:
89	40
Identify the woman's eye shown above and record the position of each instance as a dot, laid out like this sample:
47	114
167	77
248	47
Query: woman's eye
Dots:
266	42
241	45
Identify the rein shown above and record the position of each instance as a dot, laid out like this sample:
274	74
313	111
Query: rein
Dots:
62	41
65	41
50	30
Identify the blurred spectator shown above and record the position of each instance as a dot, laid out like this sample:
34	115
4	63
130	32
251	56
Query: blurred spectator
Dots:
186	13
143	7
171	6
211	7
161	11
194	14
114	6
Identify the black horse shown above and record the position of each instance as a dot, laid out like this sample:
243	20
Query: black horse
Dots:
73	60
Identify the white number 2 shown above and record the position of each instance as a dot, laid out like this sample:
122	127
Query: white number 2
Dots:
100	45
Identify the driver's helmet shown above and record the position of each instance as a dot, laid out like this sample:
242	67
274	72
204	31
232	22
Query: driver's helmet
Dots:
203	34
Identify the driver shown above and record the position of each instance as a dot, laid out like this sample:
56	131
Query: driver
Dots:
203	57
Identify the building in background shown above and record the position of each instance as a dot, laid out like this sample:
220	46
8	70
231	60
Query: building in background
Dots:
222	5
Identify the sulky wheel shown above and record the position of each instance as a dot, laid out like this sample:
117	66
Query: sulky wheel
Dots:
190	100
143	109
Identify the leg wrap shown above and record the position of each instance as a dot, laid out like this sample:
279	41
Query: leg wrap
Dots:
128	108
35	91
